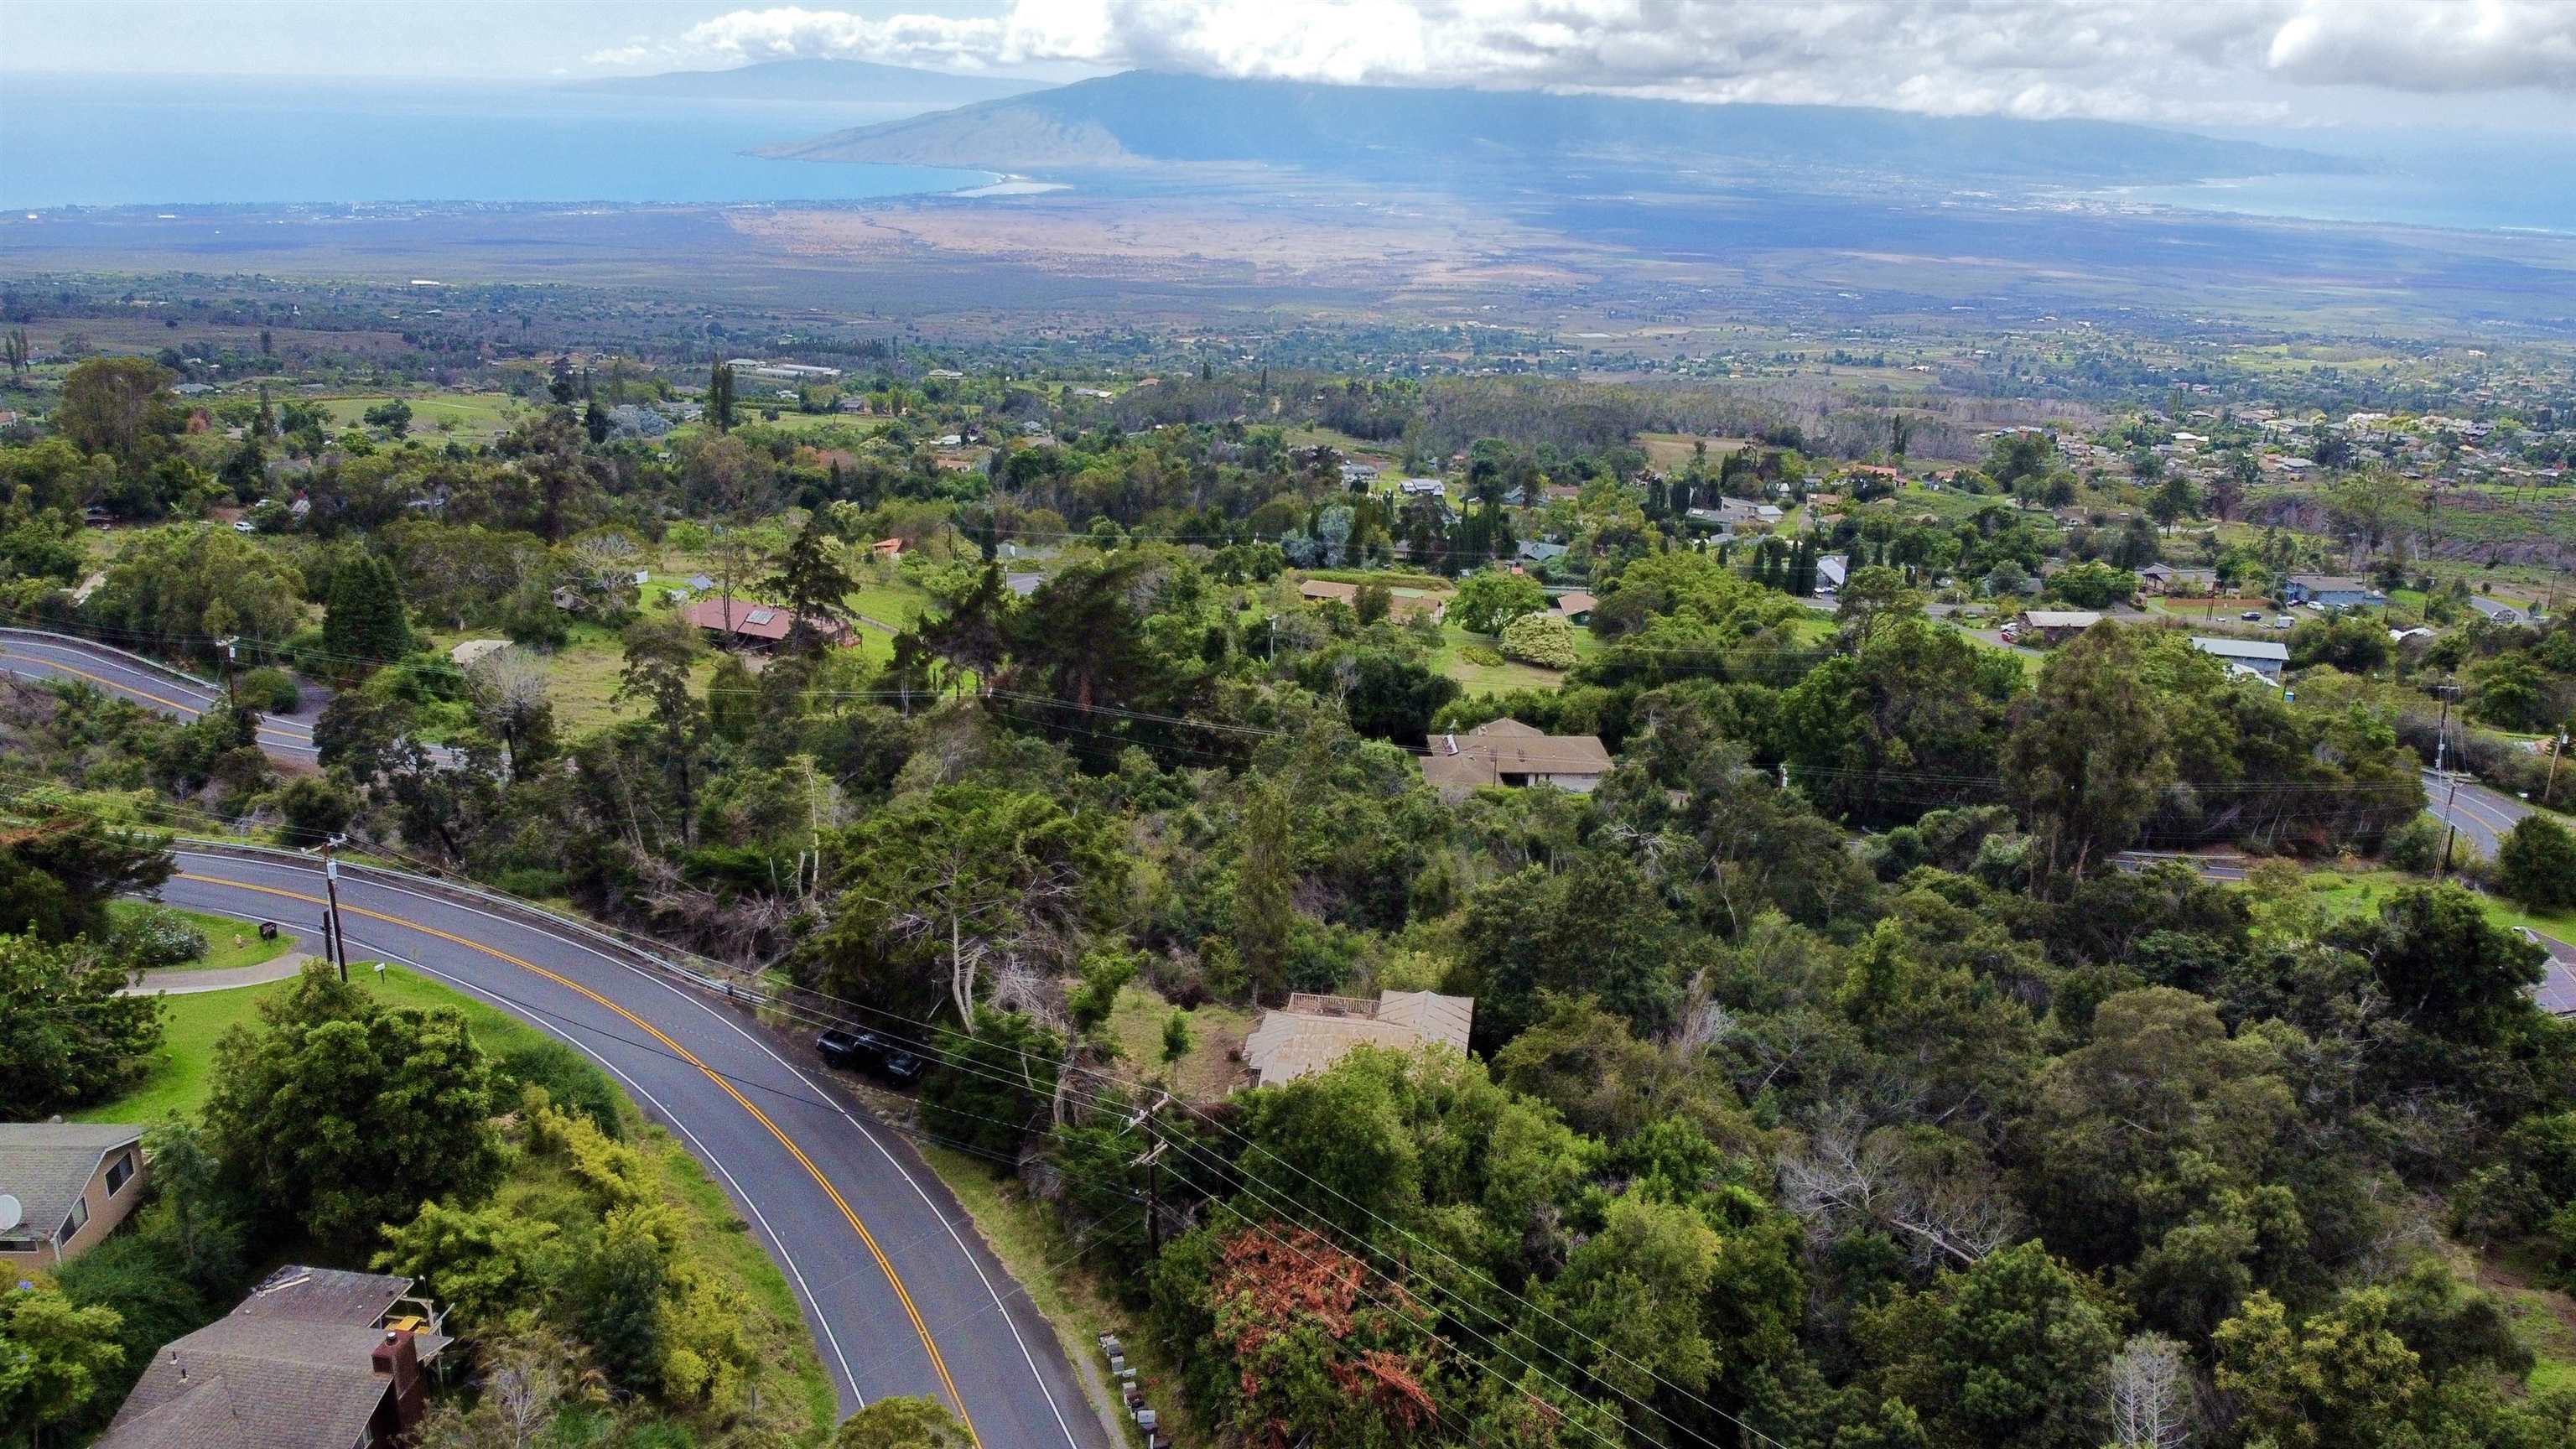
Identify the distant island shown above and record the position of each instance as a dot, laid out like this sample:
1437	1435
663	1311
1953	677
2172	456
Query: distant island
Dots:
1143	119
818	80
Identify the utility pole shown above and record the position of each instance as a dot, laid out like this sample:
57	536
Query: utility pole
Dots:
338	945
2450	816
1152	1162
2555	751
232	696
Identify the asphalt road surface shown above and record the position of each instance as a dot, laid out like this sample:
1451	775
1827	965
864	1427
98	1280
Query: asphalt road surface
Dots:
900	1294
34	656
2482	815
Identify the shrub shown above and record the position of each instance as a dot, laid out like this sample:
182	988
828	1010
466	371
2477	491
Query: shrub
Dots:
273	690
570	1081
1541	639
157	936
1479	654
2536	864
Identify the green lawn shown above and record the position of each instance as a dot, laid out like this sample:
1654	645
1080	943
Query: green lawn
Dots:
221	953
1474	678
179	1080
434	413
1136	1024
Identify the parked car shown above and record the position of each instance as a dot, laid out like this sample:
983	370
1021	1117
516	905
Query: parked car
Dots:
865	1051
244	525
2282	621
2252	616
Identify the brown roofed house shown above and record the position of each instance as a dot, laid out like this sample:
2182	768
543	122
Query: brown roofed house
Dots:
74	1182
1509	753
314	1358
1312	1032
1401	604
746	625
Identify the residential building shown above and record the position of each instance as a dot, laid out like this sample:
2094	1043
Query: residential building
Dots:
1575	606
2058	626
2255	656
1534	552
74	1182
2331	591
1401	603
1421	488
742	624
1312	1032
1506	752
314	1358
1831	574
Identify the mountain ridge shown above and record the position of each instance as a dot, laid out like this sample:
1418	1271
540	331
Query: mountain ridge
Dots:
818	80
1144	119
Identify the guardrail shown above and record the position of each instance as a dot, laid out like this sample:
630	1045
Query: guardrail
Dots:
702	972
83	640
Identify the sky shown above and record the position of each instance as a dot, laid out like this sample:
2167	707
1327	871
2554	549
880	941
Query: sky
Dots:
2218	63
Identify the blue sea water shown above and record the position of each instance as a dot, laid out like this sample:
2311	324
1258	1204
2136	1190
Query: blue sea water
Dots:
2467	179
89	141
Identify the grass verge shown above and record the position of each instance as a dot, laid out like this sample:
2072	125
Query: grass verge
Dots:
220	931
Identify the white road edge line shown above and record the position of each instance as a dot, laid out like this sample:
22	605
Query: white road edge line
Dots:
849	1379
896	1163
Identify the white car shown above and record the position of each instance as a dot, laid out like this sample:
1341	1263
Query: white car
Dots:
2282	621
244	525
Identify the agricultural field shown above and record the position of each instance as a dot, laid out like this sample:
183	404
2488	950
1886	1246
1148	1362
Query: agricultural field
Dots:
434	414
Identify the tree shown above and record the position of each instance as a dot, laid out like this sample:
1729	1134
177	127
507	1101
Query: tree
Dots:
343	1114
660	656
393	415
1487	600
809	577
364	623
901	1422
967	886
66	1037
55	1358
508	687
2149	1394
2087	754
1265	883
2007	1354
1371	602
2092	584
2174	500
1546	640
2341	1378
720	398
2536	864
1874	598
2444	965
119	406
57	876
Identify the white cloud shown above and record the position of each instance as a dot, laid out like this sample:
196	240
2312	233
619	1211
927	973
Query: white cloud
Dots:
2127	59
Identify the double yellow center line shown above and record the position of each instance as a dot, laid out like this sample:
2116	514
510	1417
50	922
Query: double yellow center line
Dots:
938	1365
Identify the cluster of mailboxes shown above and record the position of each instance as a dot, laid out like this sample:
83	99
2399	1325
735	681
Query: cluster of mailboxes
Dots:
1144	1415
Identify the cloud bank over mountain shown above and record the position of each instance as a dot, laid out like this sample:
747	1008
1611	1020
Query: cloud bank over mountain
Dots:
2208	61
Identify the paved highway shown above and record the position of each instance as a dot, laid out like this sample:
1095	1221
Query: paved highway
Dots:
2482	815
31	655
901	1295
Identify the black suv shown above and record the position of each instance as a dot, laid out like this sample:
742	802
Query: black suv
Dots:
870	1053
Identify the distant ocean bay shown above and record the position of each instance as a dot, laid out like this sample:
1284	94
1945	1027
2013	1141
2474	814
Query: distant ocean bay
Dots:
2461	179
90	141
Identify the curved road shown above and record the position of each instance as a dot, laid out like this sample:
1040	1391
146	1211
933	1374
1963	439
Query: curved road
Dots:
901	1295
2483	815
30	655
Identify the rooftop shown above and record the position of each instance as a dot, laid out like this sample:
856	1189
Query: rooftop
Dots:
1312	1032
47	1165
2242	648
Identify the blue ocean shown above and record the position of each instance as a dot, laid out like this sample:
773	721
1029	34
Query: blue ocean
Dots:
159	141
2470	179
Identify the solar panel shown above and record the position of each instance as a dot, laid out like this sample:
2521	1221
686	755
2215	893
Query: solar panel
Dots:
761	616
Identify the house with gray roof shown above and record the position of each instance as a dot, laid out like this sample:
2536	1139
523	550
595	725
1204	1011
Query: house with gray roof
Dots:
73	1182
1312	1031
2262	657
314	1358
